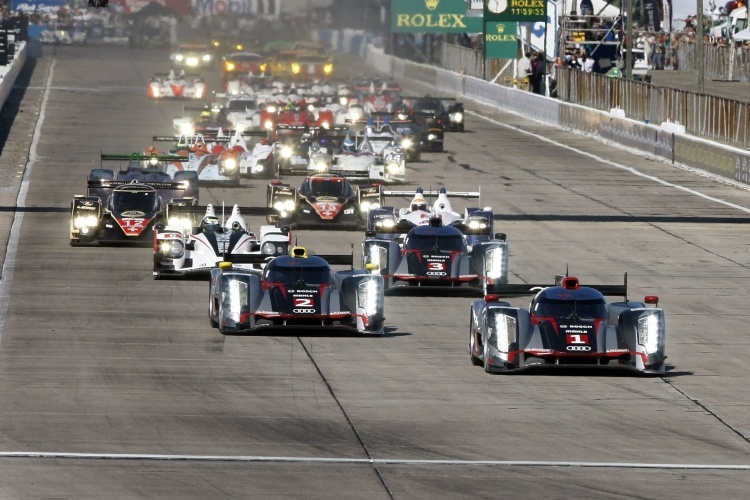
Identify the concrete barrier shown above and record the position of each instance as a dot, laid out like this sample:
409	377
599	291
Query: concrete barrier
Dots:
10	76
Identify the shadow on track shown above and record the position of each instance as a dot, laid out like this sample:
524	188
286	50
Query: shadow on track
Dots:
12	106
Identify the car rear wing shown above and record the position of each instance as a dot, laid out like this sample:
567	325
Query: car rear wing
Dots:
191	139
512	290
431	193
135	157
333	260
111	184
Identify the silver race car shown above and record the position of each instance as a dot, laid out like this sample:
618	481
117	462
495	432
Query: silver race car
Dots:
567	325
296	292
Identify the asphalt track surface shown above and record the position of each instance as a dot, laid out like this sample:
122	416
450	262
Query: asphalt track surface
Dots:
113	385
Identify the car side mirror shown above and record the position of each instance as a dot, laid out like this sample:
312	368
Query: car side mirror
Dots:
370	234
500	236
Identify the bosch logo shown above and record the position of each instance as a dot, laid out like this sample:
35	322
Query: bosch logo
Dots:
578	348
303	311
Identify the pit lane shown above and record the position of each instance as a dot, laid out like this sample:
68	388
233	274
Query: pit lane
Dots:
97	358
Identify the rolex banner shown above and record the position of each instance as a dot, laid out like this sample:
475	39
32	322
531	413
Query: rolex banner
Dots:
433	16
516	10
501	41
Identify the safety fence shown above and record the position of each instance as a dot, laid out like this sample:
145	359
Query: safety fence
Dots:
469	61
716	61
711	117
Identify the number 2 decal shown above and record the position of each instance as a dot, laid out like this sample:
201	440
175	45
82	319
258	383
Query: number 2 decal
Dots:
300	302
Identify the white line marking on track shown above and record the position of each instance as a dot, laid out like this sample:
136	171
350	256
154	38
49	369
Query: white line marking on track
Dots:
15	230
610	163
366	461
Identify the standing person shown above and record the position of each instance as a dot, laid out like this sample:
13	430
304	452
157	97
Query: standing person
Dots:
523	71
539	70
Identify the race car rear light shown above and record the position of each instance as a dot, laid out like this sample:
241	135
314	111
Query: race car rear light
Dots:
491	297
276	182
570	283
651	300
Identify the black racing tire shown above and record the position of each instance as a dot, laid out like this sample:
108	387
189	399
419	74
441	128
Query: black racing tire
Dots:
472	343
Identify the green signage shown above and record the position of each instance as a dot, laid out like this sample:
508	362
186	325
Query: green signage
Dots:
433	16
500	40
515	10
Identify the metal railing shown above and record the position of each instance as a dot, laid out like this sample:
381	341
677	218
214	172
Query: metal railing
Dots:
716	61
710	117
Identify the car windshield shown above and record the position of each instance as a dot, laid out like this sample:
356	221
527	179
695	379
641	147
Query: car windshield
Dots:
292	275
246	58
571	309
431	106
319	188
142	201
240	105
445	243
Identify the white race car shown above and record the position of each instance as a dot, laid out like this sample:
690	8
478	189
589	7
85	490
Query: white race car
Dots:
185	248
176	85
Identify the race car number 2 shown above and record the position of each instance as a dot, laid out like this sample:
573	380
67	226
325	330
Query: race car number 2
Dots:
304	305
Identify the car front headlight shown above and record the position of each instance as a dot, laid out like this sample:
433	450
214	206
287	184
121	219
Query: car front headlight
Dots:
457	117
477	224
192	61
229	66
328	68
406	143
268	248
85	221
172	248
230	164
206	57
284	205
199	89
385	223
650	331
505	332
271	109
179	58
355	113
392	166
321	166
367	296
187	129
183	223
325	124
343	100
286	152
268	125
431	137
296	68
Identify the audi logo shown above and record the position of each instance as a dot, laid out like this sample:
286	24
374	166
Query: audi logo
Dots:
432	273
584	348
303	311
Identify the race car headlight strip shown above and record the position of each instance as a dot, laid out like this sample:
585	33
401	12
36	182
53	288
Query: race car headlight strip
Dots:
505	332
379	256
237	296
268	125
367	296
431	137
406	143
85	221
286	152
172	248
494	259
192	61
268	248
650	332
456	117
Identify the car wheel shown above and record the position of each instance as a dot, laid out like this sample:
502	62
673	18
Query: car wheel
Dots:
472	347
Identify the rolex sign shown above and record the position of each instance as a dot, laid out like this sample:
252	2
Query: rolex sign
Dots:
432	16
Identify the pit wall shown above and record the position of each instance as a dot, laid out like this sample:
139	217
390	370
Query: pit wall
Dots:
719	159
